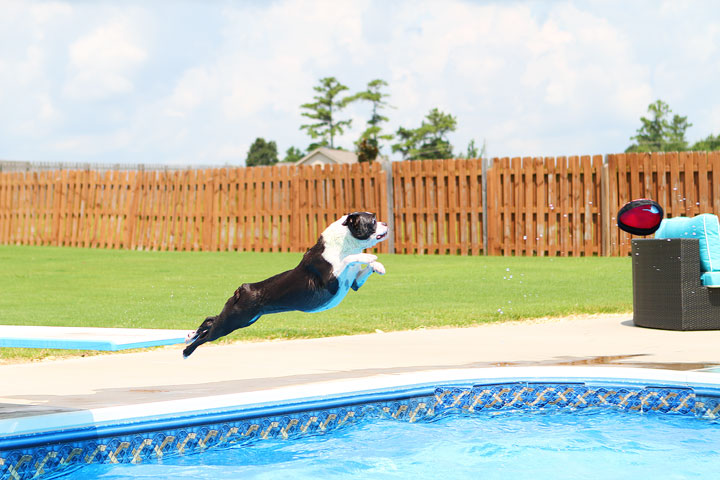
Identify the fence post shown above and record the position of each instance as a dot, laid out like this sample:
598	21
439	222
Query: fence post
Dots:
605	213
484	200
387	167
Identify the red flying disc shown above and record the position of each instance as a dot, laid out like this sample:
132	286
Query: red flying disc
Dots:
640	217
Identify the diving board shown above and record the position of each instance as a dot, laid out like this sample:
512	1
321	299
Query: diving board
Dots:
87	338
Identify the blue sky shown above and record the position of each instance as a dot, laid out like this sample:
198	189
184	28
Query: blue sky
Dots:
195	82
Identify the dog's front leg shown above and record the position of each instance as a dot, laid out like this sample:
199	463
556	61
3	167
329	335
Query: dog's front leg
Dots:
352	259
364	274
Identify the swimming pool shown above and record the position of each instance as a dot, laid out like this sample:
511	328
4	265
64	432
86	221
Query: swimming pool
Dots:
501	408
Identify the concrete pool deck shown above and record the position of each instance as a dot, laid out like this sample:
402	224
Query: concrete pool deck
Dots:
161	374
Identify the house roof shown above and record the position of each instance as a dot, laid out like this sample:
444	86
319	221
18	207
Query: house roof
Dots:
338	156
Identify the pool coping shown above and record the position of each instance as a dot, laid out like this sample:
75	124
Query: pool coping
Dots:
38	429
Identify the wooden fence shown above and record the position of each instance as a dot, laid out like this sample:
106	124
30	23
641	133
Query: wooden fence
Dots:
684	184
544	206
260	209
530	206
437	206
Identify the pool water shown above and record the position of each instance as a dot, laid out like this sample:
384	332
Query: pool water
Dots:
514	444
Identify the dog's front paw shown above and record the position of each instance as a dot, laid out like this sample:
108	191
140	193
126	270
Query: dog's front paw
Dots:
378	268
366	258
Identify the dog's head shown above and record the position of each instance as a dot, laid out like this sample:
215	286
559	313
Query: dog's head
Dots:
364	226
356	231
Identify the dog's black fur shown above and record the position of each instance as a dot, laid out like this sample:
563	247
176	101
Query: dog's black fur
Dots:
310	287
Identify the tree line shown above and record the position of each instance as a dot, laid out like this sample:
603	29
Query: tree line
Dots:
660	132
326	122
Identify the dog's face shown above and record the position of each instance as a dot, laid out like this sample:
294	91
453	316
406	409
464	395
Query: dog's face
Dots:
354	232
364	227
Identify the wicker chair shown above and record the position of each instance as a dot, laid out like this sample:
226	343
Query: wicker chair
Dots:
667	292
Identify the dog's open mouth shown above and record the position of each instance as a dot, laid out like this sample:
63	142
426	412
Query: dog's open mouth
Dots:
381	236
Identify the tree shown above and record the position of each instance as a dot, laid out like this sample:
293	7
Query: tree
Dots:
473	151
675	141
324	110
262	153
293	154
429	140
406	142
367	150
708	144
369	141
657	134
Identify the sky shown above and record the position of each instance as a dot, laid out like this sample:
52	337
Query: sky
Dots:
191	82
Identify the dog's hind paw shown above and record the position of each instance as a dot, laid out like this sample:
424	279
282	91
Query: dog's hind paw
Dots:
190	337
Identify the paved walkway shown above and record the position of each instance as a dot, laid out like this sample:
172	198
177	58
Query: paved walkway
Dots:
162	374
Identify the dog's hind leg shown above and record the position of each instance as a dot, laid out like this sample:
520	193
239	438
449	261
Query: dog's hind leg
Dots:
241	310
198	337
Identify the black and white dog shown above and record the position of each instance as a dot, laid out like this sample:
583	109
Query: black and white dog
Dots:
322	279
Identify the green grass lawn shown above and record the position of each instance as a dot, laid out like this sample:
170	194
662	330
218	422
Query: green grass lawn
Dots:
119	288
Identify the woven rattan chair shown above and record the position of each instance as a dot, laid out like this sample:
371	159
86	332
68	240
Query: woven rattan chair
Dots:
667	291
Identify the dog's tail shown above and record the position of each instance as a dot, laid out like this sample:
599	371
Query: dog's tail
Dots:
198	337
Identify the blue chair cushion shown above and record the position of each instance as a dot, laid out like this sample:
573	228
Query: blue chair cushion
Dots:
710	279
705	228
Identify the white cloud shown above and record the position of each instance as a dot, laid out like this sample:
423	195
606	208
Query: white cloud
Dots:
194	88
198	82
500	63
24	79
102	62
91	144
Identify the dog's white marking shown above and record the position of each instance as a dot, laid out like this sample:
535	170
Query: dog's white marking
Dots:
344	254
342	249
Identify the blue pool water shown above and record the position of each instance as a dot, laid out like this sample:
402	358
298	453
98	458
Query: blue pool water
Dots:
497	445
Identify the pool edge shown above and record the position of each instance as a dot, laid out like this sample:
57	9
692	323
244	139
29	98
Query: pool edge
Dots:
367	387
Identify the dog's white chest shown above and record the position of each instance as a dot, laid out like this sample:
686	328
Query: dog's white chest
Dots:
345	280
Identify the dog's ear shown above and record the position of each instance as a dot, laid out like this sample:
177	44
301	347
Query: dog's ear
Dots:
351	218
361	224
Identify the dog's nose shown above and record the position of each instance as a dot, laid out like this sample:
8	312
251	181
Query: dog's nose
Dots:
383	224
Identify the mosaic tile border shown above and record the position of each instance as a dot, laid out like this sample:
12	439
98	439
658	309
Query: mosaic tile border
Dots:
573	396
153	446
